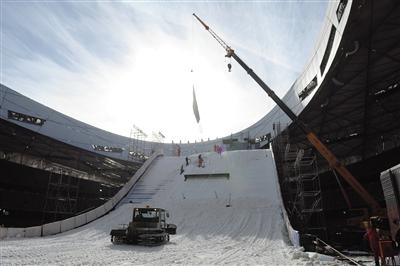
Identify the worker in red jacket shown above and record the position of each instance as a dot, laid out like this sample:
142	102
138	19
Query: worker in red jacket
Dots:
373	238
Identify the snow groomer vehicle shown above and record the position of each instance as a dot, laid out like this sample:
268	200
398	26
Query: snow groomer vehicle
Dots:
148	227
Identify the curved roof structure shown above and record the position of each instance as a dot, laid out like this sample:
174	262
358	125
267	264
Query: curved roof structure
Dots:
356	49
356	110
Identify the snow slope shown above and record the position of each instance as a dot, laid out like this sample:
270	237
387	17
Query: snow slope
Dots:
251	231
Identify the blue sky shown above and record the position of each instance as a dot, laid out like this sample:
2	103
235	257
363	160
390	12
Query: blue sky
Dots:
115	64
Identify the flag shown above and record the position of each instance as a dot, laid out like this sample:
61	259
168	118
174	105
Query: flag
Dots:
195	107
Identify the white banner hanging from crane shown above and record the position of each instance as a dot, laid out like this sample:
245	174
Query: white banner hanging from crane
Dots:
195	107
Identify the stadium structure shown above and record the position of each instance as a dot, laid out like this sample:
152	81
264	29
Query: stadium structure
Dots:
55	167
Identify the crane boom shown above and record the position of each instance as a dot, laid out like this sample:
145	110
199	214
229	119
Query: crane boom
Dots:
311	136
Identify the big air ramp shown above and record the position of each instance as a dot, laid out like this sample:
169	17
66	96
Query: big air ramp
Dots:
251	231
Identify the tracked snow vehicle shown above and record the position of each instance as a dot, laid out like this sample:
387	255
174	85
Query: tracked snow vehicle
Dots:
148	227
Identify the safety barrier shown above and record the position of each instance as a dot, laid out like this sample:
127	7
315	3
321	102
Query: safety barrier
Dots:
3	232
51	228
82	219
33	231
293	235
67	224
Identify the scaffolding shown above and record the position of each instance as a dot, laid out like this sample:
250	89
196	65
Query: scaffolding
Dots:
137	144
61	197
301	188
158	141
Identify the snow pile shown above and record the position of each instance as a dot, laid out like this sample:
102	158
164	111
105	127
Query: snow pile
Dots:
251	231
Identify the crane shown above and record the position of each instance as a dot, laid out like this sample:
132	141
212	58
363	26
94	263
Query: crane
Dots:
333	162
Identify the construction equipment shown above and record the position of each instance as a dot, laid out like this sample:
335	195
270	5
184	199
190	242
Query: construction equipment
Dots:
148	227
390	180
311	136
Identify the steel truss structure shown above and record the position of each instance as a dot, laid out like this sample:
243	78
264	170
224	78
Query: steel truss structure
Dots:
356	110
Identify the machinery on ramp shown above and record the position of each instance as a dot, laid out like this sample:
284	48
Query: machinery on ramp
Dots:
148	227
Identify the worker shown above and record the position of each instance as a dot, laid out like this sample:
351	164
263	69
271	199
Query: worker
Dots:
373	238
187	161
219	149
200	161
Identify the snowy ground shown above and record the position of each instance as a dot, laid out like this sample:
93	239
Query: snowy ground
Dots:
249	232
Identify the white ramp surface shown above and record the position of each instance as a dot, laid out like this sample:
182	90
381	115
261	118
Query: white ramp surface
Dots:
249	231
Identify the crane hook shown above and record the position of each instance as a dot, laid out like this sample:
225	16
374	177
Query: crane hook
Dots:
229	67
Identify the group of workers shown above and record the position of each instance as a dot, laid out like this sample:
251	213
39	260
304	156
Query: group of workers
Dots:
200	163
